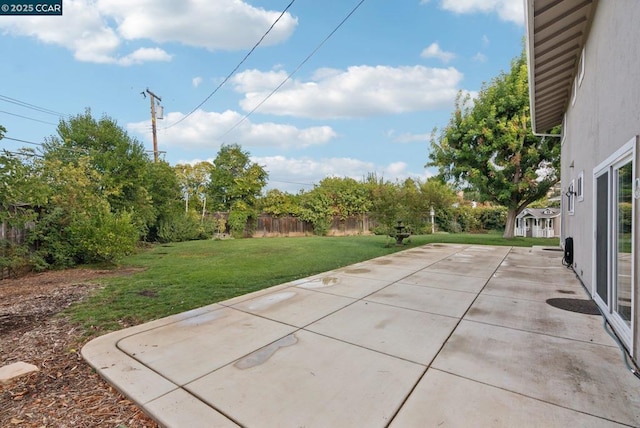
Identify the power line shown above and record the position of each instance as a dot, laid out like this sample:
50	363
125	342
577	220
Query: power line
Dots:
23	154
277	88
235	69
31	106
29	118
290	182
68	149
21	141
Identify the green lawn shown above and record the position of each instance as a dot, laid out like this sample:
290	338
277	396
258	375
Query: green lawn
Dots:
182	276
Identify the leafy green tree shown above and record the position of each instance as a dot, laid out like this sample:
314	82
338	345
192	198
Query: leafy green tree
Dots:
489	147
279	204
193	180
77	225
386	203
235	184
318	209
172	223
334	197
348	197
20	192
121	161
235	178
436	194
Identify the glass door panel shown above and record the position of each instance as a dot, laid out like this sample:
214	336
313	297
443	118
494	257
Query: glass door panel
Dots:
602	237
623	259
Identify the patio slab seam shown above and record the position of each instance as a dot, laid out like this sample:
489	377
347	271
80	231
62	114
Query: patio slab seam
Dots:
573	339
529	396
429	367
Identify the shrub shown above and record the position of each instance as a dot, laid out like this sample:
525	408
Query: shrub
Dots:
13	258
178	227
238	222
104	237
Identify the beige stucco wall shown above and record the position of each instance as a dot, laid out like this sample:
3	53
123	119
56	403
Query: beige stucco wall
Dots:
605	116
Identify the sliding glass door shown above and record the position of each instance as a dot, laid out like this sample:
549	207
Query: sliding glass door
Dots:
613	287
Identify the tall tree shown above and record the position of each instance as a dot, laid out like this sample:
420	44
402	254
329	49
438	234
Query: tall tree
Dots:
121	161
77	225
235	185
488	146
194	180
235	179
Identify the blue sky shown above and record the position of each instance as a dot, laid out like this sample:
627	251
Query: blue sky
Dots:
365	101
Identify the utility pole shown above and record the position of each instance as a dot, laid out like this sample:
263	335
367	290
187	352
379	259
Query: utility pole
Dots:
152	98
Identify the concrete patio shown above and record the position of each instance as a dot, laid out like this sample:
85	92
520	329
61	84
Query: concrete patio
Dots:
441	335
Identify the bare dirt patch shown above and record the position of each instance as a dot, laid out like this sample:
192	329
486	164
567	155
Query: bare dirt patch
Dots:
65	392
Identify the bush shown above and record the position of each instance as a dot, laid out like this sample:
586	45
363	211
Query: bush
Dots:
104	237
51	240
469	219
178	227
238	222
65	240
13	258
492	218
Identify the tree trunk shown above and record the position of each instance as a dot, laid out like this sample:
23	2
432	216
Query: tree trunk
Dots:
509	228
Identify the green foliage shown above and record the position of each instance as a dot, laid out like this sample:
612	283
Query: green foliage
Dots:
179	226
50	237
280	204
235	178
386	206
491	218
345	196
625	210
219	225
410	201
119	160
239	220
95	192
13	257
488	145
103	237
165	194
317	208
69	234
193	181
465	218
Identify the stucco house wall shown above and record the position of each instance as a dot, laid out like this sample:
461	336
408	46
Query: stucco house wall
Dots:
601	116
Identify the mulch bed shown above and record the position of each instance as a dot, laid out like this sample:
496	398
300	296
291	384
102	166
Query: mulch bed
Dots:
65	392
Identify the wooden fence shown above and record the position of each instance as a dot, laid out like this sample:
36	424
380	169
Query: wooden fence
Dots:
9	237
269	226
12	234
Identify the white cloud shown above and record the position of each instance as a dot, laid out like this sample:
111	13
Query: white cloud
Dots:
359	91
212	24
196	81
485	41
94	30
408	137
479	57
434	51
209	130
293	174
507	10
144	55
